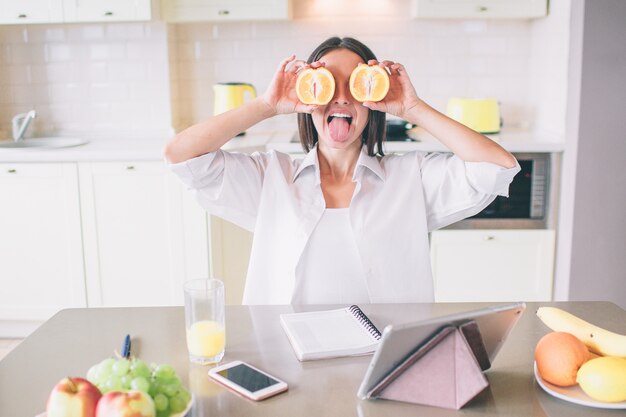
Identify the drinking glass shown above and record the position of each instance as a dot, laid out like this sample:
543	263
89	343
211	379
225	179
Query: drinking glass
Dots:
204	320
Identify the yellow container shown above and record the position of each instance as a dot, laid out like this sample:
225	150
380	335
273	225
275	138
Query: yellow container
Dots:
481	115
231	95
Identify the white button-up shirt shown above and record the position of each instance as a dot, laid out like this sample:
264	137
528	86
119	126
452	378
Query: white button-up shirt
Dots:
398	199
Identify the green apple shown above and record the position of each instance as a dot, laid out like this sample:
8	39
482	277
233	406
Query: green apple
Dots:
73	397
125	404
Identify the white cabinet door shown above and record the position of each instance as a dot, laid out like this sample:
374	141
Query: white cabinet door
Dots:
41	258
218	10
493	265
230	256
31	11
522	9
107	10
143	237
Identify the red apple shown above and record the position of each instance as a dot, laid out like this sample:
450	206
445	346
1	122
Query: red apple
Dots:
73	397
126	404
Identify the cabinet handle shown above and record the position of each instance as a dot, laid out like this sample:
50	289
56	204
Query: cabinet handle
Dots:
223	12
108	13
12	171
22	16
482	8
489	237
130	168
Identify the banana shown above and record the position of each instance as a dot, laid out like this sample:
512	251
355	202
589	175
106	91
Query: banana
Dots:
597	339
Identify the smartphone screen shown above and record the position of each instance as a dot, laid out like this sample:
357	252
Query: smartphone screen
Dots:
248	378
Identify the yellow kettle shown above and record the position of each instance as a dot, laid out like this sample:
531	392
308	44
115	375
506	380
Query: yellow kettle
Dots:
231	95
481	115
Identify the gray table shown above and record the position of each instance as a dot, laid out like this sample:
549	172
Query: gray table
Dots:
70	342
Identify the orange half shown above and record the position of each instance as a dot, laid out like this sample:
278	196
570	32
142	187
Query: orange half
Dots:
315	86
369	83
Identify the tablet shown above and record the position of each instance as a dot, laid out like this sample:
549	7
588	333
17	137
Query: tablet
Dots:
400	341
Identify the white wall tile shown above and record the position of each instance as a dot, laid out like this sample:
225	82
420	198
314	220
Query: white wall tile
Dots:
211	50
26	54
92	32
51	72
59	53
124	31
104	93
18	74
31	95
67	92
127	71
106	51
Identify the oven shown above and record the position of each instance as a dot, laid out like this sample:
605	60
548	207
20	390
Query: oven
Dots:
527	206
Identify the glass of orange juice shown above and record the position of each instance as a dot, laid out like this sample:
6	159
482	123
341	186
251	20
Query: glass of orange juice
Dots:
204	320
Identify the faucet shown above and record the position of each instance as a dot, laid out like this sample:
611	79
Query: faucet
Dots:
20	123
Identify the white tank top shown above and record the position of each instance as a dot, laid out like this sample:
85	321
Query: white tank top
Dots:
330	270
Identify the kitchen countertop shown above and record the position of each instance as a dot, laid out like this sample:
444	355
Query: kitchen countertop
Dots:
514	140
73	340
132	149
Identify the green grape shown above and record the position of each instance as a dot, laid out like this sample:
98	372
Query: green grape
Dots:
114	383
164	372
185	395
164	413
140	368
105	368
92	374
121	367
140	383
177	404
155	388
161	402
170	388
126	381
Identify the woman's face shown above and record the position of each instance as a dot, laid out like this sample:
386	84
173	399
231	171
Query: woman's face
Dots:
340	123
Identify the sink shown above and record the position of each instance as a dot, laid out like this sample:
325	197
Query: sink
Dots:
42	143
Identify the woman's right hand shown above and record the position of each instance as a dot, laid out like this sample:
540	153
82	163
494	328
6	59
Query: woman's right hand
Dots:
281	96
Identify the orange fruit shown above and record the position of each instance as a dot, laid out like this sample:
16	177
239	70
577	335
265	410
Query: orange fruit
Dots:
559	355
369	83
315	86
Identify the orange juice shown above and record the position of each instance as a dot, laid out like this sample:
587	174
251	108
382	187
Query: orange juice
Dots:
206	339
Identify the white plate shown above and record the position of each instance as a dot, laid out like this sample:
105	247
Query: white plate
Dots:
574	394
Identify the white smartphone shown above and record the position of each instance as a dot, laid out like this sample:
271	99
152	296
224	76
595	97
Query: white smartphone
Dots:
247	380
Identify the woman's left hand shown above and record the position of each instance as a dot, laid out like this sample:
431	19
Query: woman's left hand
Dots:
401	96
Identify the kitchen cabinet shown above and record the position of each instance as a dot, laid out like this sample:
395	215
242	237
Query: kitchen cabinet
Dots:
143	236
106	10
481	9
55	11
41	257
493	265
225	10
230	256
30	11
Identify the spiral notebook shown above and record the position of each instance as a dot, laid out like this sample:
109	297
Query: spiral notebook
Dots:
330	333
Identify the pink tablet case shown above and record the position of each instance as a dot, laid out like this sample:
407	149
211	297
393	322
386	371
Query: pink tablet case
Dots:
443	373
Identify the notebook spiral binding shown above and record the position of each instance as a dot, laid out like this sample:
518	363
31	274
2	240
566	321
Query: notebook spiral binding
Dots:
365	321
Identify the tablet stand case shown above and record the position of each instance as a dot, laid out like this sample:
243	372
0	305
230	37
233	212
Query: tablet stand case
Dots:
445	372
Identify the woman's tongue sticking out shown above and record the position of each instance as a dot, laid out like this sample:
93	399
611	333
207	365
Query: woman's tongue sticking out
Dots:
338	128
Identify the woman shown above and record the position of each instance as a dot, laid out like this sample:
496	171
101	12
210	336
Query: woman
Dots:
345	224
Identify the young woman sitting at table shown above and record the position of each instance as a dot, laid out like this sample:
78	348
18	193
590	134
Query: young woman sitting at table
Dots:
346	223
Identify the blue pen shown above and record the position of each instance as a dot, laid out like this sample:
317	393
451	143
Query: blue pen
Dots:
126	347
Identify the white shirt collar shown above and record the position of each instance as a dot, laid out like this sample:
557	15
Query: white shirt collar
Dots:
370	162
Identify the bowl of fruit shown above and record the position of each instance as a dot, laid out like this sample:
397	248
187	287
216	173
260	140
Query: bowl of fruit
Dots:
121	386
580	362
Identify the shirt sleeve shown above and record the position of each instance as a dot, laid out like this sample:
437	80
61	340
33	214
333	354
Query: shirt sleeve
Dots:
455	189
226	184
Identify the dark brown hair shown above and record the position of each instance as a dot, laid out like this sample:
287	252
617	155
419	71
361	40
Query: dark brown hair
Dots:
374	131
